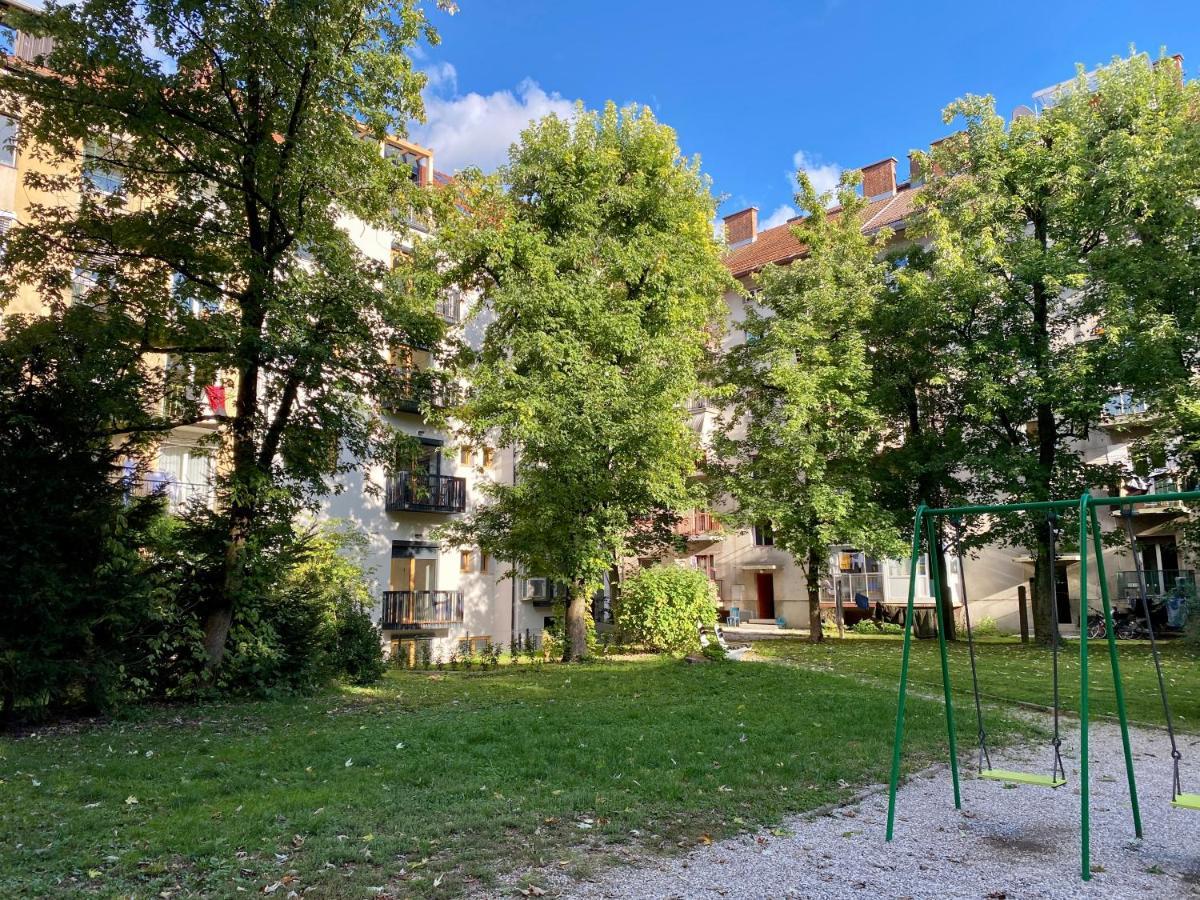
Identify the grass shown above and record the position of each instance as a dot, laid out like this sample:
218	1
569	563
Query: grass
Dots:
430	784
1011	671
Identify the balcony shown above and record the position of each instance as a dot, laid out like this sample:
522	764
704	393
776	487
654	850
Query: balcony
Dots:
422	492
409	388
416	610
698	525
1158	484
180	495
1159	582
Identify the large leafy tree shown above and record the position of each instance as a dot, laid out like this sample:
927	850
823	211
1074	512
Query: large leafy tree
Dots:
1143	121
602	282
1029	223
913	357
222	143
800	432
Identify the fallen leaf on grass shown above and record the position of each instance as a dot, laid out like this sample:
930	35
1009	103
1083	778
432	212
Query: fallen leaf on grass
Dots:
131	800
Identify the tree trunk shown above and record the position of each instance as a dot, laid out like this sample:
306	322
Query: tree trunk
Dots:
813	577
575	634
946	596
244	475
1045	603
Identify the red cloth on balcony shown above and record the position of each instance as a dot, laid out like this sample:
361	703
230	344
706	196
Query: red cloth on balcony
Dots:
215	393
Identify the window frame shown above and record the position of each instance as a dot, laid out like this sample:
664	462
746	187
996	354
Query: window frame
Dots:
9	155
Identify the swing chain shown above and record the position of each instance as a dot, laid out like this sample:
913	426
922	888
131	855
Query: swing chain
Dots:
985	760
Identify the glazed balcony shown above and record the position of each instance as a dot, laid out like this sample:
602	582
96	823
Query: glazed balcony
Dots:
1159	582
422	492
415	610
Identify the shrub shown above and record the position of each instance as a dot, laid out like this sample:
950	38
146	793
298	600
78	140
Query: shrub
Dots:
661	607
714	651
987	627
77	593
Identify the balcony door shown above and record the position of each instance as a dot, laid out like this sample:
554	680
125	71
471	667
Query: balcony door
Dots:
414	574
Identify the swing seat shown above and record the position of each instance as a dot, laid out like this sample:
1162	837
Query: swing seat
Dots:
1027	778
1187	801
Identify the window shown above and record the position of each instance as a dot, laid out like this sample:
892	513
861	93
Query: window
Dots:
706	563
466	561
764	536
489	457
8	139
99	170
466	455
186	476
485	562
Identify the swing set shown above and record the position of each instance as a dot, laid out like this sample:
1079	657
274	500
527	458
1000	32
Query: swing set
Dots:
925	529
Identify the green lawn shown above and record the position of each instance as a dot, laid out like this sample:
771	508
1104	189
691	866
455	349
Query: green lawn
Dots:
430	782
1019	672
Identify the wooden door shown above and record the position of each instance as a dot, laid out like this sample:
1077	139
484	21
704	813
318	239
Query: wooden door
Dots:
764	582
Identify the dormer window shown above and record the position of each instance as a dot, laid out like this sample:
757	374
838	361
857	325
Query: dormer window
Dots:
414	162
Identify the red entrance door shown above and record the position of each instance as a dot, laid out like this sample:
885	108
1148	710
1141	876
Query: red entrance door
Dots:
765	583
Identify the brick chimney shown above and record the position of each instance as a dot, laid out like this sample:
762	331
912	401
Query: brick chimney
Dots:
915	177
741	227
879	179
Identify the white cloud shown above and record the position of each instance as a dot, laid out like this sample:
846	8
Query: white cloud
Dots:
824	176
476	129
781	215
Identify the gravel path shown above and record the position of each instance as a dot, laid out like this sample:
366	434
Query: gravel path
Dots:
1008	842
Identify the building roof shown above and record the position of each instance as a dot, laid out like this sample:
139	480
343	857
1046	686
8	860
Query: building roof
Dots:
779	245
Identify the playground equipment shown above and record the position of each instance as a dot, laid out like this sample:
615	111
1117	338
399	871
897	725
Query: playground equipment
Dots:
925	529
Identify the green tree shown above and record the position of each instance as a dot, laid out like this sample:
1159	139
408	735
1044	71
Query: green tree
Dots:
74	590
222	143
1026	222
799	435
1144	123
602	281
913	355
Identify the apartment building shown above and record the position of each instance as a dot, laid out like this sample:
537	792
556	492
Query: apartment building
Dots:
764	583
426	592
430	594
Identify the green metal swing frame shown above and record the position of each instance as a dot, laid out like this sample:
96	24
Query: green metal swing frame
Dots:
924	531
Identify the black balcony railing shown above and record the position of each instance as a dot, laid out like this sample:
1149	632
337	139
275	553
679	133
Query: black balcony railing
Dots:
421	492
410	388
421	609
1159	582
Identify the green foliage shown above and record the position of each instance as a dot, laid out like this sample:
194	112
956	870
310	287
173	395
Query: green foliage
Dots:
235	165
75	593
662	607
797	441
1036	229
594	249
306	620
714	651
987	627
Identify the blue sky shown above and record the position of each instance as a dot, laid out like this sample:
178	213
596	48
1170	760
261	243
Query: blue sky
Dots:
751	84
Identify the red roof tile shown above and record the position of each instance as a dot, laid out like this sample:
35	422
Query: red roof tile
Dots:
779	245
